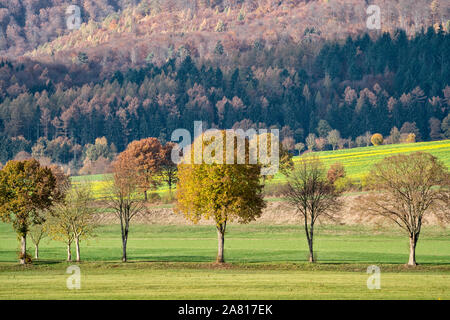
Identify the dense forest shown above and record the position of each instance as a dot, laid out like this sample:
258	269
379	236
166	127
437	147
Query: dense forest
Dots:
86	109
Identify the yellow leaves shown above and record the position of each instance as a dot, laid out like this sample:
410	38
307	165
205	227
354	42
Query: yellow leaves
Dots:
222	192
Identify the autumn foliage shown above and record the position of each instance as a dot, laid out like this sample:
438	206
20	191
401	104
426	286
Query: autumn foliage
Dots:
26	189
220	192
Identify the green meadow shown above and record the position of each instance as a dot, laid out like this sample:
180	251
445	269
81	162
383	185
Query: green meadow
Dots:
263	262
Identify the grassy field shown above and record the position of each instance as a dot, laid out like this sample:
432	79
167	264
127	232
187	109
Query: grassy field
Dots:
264	262
357	162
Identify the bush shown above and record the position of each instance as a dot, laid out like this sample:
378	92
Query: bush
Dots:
344	184
366	183
377	139
408	138
166	198
335	172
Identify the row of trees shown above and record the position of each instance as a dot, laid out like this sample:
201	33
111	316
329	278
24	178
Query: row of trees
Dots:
404	189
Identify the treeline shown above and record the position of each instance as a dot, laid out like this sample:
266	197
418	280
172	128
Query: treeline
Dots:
357	86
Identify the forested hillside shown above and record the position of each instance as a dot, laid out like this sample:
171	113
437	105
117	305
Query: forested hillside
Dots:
157	30
144	68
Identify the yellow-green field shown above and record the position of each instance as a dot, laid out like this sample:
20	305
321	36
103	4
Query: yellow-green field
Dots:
357	162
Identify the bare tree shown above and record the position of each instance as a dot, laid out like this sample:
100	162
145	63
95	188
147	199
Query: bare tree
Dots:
405	189
72	220
37	233
309	191
333	138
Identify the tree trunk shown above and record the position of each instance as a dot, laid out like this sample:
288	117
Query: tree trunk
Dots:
23	249
310	236
36	251
77	246
311	251
412	251
124	249
69	253
220	246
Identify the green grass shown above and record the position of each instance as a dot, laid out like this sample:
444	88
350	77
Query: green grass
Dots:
263	262
246	244
187	281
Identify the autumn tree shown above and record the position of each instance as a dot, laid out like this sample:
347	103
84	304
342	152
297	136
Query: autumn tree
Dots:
26	189
377	139
123	200
219	191
314	197
333	138
145	157
311	141
299	147
406	188
58	228
335	172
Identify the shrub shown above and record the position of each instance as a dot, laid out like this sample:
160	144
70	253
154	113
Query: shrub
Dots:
377	139
344	184
335	172
408	138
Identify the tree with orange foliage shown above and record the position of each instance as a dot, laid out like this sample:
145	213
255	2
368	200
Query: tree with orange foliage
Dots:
122	199
145	157
377	139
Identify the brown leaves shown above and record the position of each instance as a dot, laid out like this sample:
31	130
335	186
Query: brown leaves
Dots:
141	160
